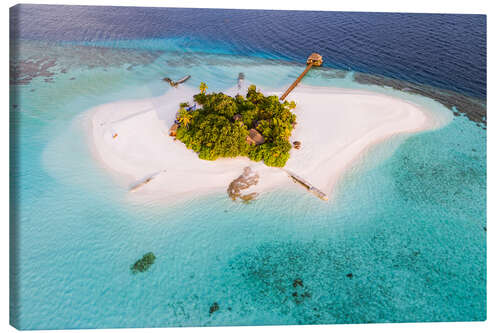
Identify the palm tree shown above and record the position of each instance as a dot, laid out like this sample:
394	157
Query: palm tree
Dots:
184	117
203	87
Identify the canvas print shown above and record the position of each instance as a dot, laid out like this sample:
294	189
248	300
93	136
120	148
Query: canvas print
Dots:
214	167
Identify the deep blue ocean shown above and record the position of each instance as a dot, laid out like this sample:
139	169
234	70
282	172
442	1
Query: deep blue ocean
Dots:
404	240
445	51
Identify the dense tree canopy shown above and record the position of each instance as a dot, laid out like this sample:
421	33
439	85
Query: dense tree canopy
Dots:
213	131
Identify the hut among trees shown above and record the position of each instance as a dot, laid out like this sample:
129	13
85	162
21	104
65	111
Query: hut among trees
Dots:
255	138
173	130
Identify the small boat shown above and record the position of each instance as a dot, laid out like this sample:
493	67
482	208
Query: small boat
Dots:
175	83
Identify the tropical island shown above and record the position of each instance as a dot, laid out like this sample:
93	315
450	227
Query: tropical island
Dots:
255	126
241	138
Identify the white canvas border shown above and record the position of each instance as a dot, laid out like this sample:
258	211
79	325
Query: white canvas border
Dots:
421	6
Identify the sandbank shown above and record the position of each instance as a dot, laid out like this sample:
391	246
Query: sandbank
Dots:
335	126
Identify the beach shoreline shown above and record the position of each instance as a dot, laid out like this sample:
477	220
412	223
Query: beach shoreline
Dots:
336	126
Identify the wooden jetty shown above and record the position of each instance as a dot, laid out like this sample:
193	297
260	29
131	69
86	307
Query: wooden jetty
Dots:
314	60
144	182
314	190
141	184
176	83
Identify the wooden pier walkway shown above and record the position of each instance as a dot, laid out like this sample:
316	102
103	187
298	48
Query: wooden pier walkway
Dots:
176	83
314	190
313	60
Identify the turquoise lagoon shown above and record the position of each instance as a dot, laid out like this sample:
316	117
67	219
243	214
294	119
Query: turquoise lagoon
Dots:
403	240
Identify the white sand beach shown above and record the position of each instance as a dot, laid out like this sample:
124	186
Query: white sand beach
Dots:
335	126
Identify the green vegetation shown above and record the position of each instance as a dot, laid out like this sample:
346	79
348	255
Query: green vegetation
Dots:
203	87
220	128
144	263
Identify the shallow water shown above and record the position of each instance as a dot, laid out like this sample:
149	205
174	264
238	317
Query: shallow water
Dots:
404	238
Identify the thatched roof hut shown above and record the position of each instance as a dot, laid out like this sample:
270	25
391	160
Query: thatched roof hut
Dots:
255	138
237	117
173	130
315	58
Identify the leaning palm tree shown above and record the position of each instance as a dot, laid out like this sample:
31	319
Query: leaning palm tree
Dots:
203	87
184	117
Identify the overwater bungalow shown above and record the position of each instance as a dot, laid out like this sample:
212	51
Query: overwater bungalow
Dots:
315	59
